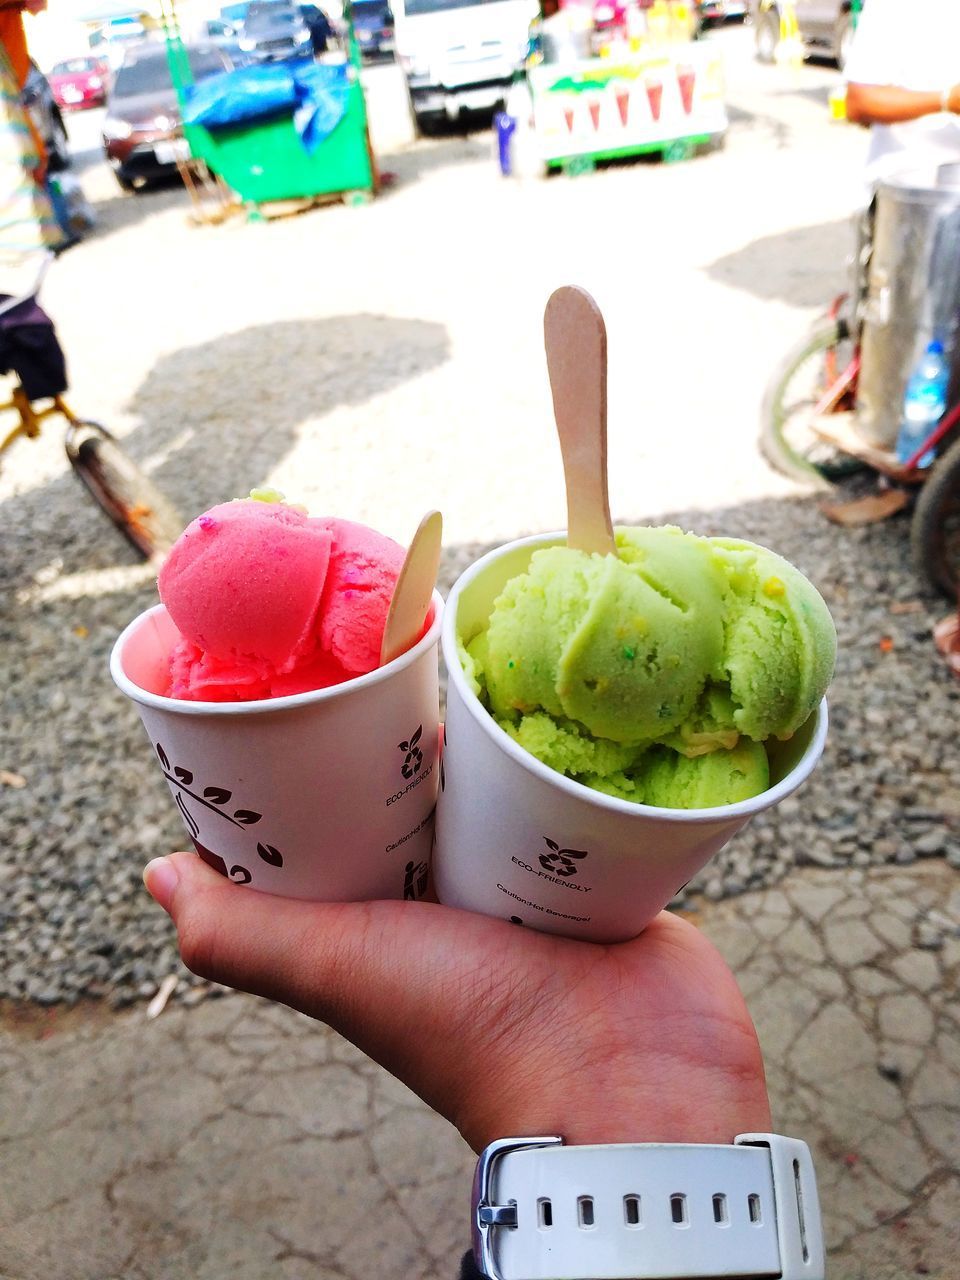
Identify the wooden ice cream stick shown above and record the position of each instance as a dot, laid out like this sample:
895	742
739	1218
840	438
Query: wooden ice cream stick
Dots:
576	343
414	589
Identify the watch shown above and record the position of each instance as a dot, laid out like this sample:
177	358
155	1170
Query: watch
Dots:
647	1211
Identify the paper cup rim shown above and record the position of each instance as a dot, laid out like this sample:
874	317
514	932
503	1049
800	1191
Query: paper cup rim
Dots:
263	706
576	790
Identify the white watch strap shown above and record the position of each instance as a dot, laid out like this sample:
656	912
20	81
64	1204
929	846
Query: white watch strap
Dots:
544	1211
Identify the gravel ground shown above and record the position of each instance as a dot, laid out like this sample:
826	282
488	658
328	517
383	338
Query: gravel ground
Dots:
377	362
77	923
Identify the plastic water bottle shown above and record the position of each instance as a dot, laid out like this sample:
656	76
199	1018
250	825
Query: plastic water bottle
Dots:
924	404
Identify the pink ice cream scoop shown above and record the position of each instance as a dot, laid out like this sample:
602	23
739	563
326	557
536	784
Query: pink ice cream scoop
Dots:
269	601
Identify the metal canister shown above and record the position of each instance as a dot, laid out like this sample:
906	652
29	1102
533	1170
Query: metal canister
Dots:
913	292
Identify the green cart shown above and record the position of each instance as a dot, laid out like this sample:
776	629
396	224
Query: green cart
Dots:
266	161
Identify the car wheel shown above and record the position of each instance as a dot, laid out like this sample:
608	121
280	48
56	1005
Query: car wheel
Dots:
124	183
427	123
767	35
844	37
58	146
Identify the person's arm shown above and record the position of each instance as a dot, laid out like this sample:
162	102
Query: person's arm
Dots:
502	1030
889	104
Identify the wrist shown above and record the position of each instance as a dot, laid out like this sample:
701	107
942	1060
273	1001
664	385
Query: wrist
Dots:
690	1079
692	1076
712	1106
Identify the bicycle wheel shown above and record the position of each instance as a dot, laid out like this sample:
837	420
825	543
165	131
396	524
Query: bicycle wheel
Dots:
786	439
935	532
147	519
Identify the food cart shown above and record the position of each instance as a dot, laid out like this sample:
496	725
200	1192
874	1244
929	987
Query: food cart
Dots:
642	88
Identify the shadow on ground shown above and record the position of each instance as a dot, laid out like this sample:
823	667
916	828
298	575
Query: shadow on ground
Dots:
787	267
202	437
817	93
782	134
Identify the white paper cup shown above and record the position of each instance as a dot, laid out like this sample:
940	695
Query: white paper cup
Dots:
517	840
327	795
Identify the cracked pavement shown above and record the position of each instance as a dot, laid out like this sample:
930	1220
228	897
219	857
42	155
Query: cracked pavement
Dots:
241	1139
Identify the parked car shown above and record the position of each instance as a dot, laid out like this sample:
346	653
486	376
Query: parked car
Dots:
79	82
460	55
142	133
235	13
221	29
37	97
226	36
373	27
826	27
720	10
323	32
274	29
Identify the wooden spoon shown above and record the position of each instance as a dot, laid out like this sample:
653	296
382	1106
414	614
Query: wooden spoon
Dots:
576	342
414	589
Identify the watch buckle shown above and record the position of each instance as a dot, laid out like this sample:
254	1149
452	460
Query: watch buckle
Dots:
490	1215
797	1204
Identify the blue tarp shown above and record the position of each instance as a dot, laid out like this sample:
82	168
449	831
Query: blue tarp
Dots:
314	94
322	92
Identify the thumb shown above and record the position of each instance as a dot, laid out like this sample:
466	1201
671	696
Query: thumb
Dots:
320	957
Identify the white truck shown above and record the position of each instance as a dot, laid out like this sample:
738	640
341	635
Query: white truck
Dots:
459	55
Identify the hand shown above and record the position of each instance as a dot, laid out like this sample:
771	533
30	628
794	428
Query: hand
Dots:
501	1029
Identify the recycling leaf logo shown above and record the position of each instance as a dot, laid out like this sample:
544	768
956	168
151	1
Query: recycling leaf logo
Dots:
560	862
414	756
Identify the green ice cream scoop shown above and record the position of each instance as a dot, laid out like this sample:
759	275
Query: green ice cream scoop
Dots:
654	775
623	645
674	781
780	642
656	674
